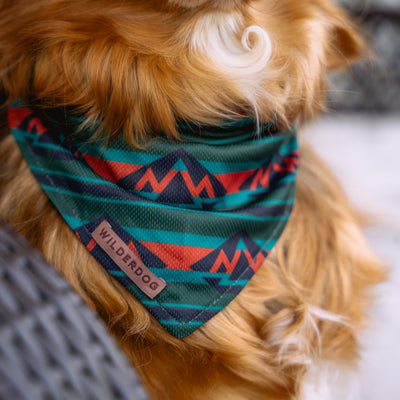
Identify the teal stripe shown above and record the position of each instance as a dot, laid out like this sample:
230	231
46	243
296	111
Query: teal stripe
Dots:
269	245
158	205
196	277
118	155
21	137
182	238
71	176
176	238
173	275
238	140
173	322
238	199
228	201
288	178
225	201
187	306
116	273
276	202
74	222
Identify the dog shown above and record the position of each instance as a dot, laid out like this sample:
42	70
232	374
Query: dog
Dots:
136	71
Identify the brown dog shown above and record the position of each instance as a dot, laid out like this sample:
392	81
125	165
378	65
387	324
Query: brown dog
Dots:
141	66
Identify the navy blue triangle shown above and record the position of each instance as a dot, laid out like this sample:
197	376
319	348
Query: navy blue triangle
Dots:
148	188
176	192
203	194
251	245
229	247
240	268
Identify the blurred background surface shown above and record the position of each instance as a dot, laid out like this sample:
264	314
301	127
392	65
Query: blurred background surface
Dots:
373	84
360	139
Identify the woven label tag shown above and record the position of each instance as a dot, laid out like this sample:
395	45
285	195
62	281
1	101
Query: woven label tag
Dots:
127	260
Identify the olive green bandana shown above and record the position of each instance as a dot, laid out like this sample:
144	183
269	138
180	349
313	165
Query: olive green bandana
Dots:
181	225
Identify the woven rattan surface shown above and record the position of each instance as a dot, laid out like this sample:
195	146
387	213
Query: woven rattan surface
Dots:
52	346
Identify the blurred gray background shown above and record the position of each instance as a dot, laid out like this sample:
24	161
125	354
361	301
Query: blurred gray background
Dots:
372	85
360	139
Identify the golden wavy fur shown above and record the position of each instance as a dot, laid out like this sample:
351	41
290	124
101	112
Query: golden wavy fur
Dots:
135	66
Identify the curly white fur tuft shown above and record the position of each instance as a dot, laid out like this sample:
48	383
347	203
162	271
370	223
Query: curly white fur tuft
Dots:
240	52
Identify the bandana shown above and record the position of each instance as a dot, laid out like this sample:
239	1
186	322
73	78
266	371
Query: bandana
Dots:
182	225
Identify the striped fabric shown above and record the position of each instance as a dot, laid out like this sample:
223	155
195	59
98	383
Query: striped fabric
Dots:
202	213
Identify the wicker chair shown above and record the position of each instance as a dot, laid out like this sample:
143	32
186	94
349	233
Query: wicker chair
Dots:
52	346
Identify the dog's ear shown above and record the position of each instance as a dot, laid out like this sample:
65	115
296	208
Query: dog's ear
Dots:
345	44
